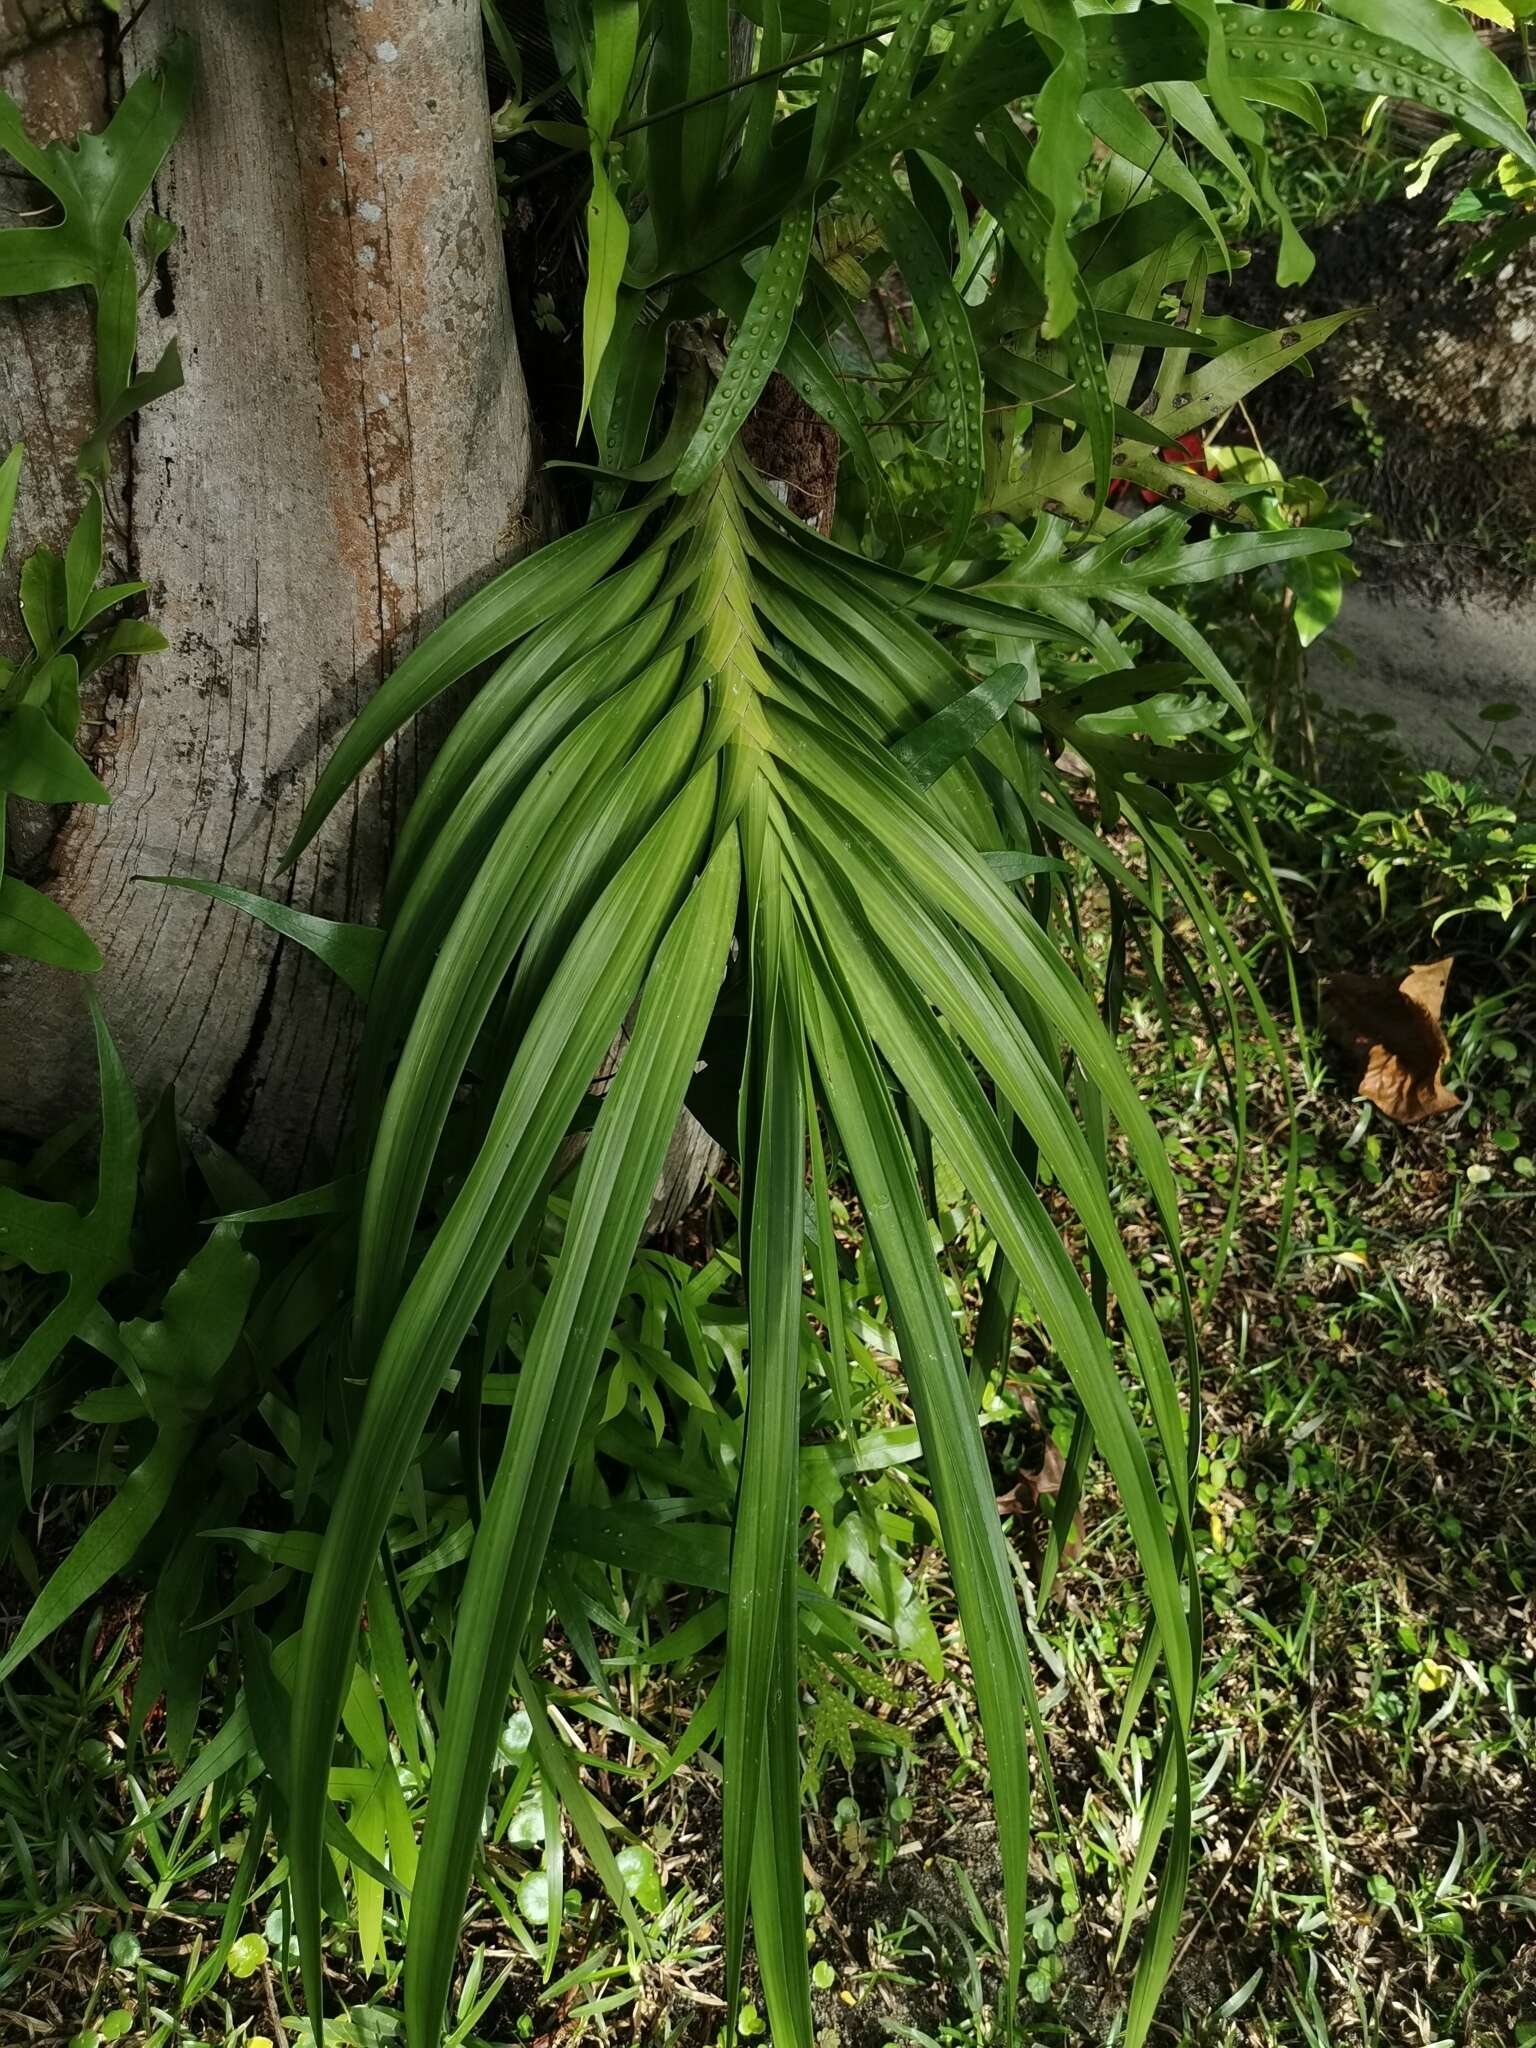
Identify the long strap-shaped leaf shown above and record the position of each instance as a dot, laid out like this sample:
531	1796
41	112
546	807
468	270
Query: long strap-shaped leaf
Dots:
899	819
1265	47
935	746
753	354
976	1009
506	693
1118	122
615	32
607	247
1444	50
519	599
1390	54
838	89
760	1697
514	783
951	342
932	1067
898	66
1296	261
351	951
1017	212
576	1022
1061	153
613	1190
872	791
885	1176
646	783
926	599
499	908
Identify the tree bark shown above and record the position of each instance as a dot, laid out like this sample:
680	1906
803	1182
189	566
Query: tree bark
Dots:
47	383
350	455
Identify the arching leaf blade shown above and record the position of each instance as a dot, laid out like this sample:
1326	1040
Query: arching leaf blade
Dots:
576	1022
759	1713
885	1176
754	353
613	1190
512	604
351	951
955	364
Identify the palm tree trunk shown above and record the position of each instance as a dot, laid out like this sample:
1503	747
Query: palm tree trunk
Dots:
351	453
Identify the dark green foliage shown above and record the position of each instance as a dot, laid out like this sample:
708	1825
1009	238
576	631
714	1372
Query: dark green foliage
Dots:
741	793
99	183
745	716
63	612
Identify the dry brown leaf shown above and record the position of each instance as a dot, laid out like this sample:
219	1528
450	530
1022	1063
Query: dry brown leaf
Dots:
1031	1500
1393	1029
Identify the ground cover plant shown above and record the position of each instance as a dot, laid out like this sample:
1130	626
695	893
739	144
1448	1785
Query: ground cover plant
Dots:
1361	1867
801	818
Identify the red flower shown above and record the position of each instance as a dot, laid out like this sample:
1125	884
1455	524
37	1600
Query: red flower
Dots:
1188	452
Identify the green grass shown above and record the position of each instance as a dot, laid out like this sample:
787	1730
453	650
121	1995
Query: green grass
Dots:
1363	1868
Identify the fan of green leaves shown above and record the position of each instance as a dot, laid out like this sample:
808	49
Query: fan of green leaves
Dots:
726	768
687	750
